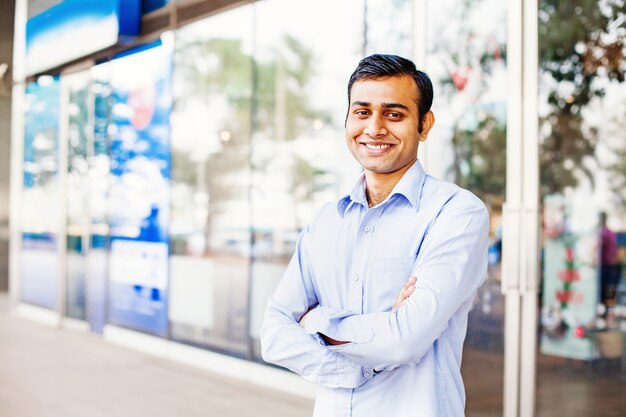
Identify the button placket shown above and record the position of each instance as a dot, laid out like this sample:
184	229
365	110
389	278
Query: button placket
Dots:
358	266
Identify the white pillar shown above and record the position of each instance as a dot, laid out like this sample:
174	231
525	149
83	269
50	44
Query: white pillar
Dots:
521	212
17	147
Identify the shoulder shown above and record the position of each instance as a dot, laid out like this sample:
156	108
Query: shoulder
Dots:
326	217
446	197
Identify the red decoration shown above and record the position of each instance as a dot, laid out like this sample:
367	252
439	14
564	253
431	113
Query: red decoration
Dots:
580	332
564	296
460	77
569	275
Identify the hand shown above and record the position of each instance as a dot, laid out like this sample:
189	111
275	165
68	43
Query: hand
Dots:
331	341
301	322
327	339
405	292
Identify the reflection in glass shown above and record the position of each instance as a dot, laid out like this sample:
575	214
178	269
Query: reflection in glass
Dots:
299	158
466	61
98	191
210	229
138	198
582	68
388	27
78	139
40	196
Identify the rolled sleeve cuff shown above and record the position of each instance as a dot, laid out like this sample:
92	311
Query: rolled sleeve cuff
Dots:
327	321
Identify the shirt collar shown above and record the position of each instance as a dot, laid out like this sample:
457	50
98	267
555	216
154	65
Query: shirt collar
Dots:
409	186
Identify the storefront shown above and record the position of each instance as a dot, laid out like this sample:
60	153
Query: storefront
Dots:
165	174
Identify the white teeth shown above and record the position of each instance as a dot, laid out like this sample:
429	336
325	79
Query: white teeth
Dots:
376	147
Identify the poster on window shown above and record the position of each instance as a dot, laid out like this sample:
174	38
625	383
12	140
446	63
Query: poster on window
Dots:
570	284
139	190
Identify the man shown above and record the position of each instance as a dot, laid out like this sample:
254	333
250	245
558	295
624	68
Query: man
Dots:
373	305
609	262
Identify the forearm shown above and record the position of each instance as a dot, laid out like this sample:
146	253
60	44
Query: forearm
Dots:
388	339
448	273
285	343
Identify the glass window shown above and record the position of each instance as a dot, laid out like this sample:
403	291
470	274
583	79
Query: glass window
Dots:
210	223
466	61
40	197
299	157
139	185
388	27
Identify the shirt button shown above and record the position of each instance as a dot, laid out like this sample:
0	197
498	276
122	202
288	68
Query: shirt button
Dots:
357	277
366	374
367	229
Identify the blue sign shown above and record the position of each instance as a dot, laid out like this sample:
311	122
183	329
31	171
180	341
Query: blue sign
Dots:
139	202
76	28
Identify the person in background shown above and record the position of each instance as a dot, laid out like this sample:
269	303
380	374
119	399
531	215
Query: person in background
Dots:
609	263
373	306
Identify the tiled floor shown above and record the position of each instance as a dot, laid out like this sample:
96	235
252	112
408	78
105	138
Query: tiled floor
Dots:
45	372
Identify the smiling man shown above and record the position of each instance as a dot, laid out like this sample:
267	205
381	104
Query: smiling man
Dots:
373	305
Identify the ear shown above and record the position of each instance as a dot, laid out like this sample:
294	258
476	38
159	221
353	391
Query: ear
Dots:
427	124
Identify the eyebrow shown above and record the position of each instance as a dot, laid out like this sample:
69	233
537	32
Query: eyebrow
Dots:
385	105
395	105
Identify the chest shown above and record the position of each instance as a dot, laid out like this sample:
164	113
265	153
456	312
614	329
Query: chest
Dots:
362	261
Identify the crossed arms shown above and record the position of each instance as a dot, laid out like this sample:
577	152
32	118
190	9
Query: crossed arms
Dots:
449	268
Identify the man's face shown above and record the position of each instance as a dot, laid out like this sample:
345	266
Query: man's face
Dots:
382	125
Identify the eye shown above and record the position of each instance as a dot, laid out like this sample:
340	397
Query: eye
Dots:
394	116
362	113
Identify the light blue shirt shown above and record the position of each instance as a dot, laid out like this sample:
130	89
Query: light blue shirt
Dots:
351	263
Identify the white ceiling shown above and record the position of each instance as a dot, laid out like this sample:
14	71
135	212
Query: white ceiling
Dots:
37	6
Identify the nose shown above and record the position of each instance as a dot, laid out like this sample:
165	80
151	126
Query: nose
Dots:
375	127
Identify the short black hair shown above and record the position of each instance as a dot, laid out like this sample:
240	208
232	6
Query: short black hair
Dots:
379	65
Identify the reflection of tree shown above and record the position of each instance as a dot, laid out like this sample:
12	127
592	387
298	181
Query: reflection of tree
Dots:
285	112
617	176
481	158
220	74
479	133
217	75
304	184
284	109
579	44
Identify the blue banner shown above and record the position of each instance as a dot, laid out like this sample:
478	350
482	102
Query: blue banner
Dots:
139	194
75	28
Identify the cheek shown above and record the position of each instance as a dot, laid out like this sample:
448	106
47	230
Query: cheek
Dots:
352	130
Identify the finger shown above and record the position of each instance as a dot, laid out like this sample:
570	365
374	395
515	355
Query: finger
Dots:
409	291
406	291
410	282
402	297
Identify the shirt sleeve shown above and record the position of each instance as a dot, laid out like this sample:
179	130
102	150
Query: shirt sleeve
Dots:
284	342
450	266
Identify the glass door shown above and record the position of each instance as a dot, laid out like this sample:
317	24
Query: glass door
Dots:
581	361
466	59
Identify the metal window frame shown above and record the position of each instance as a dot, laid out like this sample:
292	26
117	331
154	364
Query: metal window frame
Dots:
521	212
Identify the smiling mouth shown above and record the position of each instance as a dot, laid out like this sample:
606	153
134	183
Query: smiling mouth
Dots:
377	147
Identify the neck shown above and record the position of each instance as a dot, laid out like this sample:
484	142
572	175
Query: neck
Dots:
378	186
